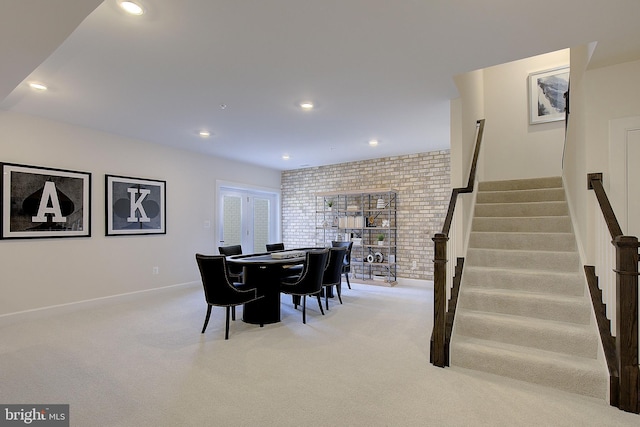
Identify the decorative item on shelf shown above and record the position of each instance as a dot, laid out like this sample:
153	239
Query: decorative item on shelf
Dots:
379	257
371	221
381	204
380	239
370	258
392	259
352	208
329	204
385	223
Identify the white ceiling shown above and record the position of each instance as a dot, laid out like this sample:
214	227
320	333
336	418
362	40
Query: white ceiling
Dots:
375	68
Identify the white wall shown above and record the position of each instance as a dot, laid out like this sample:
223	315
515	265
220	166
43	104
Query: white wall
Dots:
514	149
46	272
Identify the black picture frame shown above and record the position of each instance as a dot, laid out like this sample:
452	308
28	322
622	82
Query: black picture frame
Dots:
134	206
43	202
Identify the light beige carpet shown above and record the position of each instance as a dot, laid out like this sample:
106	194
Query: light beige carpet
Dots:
141	361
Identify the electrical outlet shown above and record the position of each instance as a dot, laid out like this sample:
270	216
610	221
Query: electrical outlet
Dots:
156	270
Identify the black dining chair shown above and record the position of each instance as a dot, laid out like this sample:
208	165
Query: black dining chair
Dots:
333	273
346	265
310	281
219	290
235	271
271	247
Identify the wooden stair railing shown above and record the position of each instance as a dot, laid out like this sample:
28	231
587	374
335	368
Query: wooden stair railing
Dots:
625	352
442	317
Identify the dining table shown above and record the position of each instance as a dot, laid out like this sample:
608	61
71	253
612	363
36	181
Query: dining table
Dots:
264	271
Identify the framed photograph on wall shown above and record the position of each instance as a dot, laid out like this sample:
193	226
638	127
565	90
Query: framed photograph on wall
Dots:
135	206
547	95
40	202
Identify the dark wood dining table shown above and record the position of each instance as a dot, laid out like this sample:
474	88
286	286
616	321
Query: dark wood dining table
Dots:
264	272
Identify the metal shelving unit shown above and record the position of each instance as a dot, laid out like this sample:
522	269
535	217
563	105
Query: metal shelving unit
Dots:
364	217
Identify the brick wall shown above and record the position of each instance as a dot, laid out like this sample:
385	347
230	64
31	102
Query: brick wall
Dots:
422	182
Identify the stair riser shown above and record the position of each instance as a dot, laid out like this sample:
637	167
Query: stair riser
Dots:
523	241
545	372
542	282
522	209
578	342
521	184
547	195
545	261
526	225
527	306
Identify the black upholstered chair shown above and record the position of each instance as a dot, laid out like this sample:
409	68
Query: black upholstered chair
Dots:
219	290
235	271
309	282
275	247
333	273
346	265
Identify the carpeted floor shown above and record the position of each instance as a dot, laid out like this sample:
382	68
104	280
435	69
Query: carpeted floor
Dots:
141	361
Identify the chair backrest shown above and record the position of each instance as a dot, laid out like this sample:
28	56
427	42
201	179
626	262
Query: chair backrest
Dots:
275	247
311	278
230	250
347	256
218	289
333	272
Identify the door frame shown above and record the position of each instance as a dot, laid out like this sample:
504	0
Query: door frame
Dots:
222	185
618	188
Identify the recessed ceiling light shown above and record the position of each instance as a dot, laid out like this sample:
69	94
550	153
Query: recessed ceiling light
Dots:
131	7
204	133
285	157
306	105
37	86
373	142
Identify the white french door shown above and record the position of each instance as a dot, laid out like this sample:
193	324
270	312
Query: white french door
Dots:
248	218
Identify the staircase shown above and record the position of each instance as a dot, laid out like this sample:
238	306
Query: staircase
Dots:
523	310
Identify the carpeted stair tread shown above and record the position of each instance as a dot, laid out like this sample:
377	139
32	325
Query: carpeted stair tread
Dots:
522	259
558	224
570	373
516	196
523	241
561	308
559	337
551	282
529	209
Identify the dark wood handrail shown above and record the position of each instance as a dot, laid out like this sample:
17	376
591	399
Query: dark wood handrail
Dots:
595	184
626	303
470	182
439	344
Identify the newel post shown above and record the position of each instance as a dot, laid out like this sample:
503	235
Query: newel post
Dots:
438	357
627	320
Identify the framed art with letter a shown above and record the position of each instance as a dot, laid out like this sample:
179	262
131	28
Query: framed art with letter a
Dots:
44	202
135	206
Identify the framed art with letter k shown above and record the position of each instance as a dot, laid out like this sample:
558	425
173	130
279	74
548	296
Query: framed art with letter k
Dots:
135	206
44	202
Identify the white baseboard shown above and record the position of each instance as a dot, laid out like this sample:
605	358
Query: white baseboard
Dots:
39	313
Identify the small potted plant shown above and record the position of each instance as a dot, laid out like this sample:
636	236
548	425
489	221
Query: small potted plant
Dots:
329	204
380	239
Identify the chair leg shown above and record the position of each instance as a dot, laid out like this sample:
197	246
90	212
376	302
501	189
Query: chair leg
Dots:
326	298
226	331
347	276
206	320
233	313
320	303
304	309
339	291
